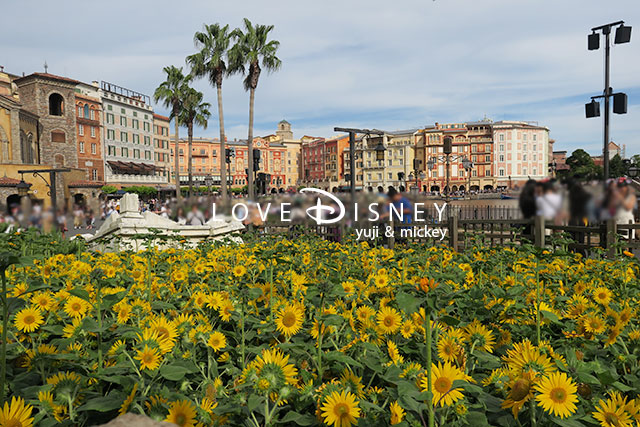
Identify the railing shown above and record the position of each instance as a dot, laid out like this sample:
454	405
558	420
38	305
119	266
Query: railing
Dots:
463	233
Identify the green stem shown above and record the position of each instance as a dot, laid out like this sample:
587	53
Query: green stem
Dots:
5	326
427	328
532	412
538	305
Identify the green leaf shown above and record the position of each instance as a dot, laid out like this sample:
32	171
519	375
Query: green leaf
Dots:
550	316
298	419
254	402
106	403
476	418
80	293
449	320
408	303
177	370
336	356
567	422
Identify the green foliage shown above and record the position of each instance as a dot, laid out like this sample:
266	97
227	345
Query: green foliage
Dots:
109	189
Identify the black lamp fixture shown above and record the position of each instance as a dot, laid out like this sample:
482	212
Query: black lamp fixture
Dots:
623	34
633	171
23	188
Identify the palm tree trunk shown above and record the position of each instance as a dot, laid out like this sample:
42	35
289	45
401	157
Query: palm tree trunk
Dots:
223	171
177	159
190	131
250	183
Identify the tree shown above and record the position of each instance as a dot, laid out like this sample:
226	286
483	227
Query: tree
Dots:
194	111
617	168
251	50
209	62
582	165
171	92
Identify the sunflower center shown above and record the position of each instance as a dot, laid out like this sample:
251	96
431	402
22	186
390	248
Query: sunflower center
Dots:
442	385
215	342
29	319
163	332
341	409
181	419
148	358
558	395
388	321
75	307
289	319
611	419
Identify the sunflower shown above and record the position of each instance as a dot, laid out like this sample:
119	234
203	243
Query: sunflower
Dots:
16	414
217	341
525	357
127	402
397	413
239	270
442	378
76	307
602	295
340	409
352	382
149	358
557	394
407	329
225	309
389	320
166	331
520	392
182	413
289	319
612	412
274	367
594	324
364	314
481	335
448	349
28	319
43	301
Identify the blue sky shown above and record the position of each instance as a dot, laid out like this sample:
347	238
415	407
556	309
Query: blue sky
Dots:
376	64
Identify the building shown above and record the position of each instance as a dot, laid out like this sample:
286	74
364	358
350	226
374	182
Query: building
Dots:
206	161
559	162
521	152
346	162
293	158
128	138
334	161
313	163
161	143
480	135
89	131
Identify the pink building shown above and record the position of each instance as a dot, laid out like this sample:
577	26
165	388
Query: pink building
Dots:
313	161
521	152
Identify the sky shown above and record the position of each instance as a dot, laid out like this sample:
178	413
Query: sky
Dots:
372	64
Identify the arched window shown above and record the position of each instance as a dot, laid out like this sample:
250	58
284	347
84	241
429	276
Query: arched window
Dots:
56	104
86	111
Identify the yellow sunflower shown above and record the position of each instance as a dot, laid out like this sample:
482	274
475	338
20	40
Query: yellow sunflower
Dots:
28	319
289	319
594	324
340	409
448	349
182	413
389	320
397	413
442	378
613	412
149	358
217	341
17	414
520	392
76	307
239	270
481	335
602	295
557	394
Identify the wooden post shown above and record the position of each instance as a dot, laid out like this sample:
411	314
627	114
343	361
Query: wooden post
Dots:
453	232
538	231
612	233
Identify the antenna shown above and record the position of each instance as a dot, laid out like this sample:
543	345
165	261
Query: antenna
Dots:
46	67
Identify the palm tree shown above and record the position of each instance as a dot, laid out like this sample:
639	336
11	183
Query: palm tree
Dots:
251	50
171	92
194	111
209	62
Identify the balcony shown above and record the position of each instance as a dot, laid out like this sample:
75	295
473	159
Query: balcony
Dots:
134	179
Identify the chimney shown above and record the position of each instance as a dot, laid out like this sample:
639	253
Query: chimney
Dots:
1	68
95	83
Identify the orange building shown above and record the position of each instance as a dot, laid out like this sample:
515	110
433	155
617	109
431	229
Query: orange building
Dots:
88	131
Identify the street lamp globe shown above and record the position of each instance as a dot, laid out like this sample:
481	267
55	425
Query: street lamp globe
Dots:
380	149
23	188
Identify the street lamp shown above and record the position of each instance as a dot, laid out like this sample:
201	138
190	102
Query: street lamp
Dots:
467	165
592	109
23	188
633	171
352	152
380	149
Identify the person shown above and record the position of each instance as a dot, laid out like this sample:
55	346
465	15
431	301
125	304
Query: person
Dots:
195	217
527	204
626	203
180	218
91	220
78	215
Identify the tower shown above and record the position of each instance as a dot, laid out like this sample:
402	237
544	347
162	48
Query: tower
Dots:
284	130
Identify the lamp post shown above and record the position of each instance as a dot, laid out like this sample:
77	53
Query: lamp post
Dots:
352	151
447	158
592	109
468	166
51	184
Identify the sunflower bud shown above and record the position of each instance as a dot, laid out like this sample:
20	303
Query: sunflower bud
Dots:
584	390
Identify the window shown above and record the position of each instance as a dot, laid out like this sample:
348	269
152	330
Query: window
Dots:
524	157
111	150
524	136
487	147
524	171
524	147
147	155
93	131
136	153
390	175
111	134
56	104
501	137
135	124
81	130
535	171
501	172
535	147
147	140
124	137
135	114
502	157
487	158
94	148
122	111
123	121
110	107
94	174
136	138
58	136
92	115
110	118
86	111
535	139
125	152
501	147
82	146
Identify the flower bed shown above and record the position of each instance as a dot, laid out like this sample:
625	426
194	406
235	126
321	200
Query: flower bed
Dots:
276	332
